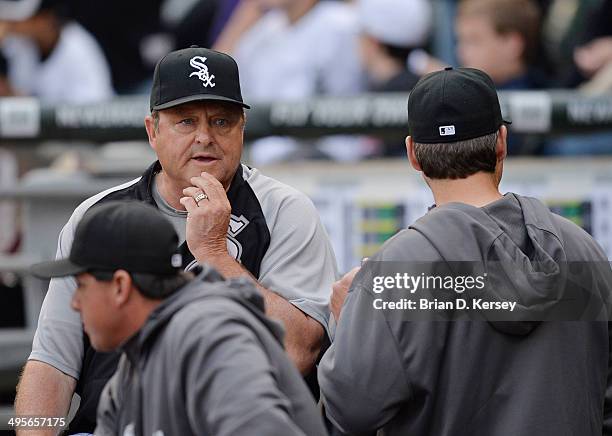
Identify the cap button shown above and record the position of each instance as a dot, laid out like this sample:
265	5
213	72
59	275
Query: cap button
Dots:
448	68
194	46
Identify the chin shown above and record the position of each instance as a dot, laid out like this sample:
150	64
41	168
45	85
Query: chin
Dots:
198	168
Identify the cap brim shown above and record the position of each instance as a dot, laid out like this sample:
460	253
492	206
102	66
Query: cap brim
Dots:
56	268
198	97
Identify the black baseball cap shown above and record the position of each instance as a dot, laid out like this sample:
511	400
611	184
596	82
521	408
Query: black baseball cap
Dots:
452	105
193	74
127	235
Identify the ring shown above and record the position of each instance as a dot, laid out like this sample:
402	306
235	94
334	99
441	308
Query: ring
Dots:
201	196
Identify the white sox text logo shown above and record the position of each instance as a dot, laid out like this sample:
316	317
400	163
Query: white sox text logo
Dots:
234	248
202	73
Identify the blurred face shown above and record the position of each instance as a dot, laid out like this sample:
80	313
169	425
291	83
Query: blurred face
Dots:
198	137
480	46
42	25
93	300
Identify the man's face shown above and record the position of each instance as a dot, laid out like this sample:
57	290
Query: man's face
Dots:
93	300
480	46
199	137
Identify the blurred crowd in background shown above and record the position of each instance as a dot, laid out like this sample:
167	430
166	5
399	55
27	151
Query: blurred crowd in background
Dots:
74	51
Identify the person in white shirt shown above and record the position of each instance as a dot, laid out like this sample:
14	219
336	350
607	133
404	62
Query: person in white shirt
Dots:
55	60
292	50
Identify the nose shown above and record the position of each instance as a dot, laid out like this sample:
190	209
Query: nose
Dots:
203	134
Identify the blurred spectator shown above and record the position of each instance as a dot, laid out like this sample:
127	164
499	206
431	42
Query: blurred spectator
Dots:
299	48
393	33
593	56
501	37
53	59
595	62
568	25
294	49
589	36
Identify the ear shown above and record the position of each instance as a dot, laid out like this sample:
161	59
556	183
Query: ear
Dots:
244	121
501	147
411	155
151	132
122	287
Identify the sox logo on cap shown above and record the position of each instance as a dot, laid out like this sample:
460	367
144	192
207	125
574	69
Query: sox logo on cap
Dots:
202	73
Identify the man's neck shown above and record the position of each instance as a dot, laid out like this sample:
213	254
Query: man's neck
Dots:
476	190
298	8
169	191
139	316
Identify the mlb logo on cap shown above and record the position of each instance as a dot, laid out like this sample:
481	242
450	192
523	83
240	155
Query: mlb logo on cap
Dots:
447	130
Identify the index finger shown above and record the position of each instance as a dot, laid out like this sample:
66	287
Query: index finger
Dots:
209	184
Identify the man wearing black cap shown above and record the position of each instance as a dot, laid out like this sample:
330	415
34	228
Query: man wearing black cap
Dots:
174	378
229	216
458	325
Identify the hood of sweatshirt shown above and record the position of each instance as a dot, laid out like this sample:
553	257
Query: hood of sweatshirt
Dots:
517	242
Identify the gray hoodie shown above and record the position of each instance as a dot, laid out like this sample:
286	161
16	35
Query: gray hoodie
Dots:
526	375
208	362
